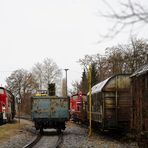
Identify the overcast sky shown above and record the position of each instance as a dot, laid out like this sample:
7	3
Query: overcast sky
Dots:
62	30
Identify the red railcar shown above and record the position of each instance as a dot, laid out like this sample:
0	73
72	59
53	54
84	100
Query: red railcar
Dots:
7	105
78	104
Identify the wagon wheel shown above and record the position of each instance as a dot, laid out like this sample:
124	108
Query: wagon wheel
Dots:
59	131
41	131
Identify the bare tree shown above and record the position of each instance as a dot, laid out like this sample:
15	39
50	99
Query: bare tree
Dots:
76	87
135	54
131	13
86	61
38	72
51	72
118	59
48	72
21	83
100	64
115	60
17	82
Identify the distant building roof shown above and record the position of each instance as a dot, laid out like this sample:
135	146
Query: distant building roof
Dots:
141	71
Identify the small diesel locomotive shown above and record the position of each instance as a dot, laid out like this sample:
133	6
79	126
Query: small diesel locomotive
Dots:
7	106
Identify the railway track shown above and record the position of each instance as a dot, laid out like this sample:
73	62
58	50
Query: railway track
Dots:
47	140
33	142
60	140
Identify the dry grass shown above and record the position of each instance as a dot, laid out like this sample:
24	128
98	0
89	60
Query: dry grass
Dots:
70	123
8	130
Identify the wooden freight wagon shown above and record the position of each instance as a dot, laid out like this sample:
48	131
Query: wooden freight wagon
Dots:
139	82
111	103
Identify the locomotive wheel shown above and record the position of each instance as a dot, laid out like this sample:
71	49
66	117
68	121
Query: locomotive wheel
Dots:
1	121
9	118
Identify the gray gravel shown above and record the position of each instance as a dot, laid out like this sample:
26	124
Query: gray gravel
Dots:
74	136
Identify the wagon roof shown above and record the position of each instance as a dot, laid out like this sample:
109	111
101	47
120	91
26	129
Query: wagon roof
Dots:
141	71
98	87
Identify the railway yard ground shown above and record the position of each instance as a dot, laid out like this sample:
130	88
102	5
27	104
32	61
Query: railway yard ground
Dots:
17	135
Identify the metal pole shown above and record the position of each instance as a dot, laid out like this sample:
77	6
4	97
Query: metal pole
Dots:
90	101
66	79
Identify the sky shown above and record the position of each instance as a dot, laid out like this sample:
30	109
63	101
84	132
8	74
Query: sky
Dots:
62	30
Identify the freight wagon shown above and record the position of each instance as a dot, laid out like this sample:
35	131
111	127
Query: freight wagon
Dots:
139	83
111	103
50	112
7	105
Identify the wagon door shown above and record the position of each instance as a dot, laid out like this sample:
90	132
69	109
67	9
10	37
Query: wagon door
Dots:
144	106
59	108
41	108
117	102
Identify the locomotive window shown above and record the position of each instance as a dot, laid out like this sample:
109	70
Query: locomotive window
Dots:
75	97
1	91
79	106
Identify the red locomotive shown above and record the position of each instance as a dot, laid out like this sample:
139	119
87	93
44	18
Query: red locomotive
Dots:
7	105
78	104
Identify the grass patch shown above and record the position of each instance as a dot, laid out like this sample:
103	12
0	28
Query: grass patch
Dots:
10	129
